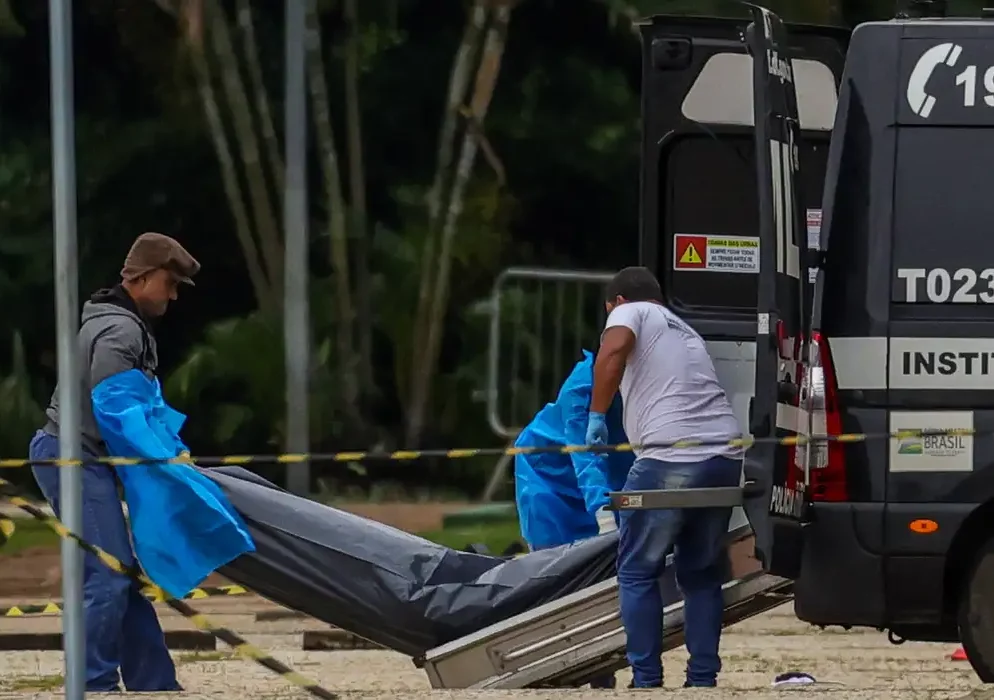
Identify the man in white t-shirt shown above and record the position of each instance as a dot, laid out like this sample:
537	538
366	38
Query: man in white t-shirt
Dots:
670	392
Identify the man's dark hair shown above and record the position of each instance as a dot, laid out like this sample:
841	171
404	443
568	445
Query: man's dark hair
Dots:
634	284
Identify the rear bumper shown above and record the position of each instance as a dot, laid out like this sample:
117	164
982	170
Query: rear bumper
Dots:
841	582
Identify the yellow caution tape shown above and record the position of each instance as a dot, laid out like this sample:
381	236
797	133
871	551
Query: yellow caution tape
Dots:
463	453
237	643
199	593
53	607
7	528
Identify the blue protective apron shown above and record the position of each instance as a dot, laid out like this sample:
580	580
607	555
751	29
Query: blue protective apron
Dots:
182	525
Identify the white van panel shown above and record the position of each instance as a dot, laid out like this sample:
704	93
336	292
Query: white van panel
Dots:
735	365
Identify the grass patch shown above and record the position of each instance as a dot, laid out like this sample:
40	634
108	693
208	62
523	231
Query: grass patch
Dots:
29	534
205	656
34	683
496	536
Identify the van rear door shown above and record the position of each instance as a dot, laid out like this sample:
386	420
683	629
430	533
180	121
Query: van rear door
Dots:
702	229
783	308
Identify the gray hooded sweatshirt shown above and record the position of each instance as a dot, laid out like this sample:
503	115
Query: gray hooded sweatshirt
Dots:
113	338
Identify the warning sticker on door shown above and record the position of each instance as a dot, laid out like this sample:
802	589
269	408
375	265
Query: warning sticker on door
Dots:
716	253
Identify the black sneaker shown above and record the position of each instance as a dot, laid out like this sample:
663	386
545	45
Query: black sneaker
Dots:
631	686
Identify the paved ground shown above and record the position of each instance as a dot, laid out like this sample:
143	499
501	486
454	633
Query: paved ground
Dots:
849	665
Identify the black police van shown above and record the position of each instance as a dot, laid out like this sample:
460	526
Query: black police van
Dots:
831	228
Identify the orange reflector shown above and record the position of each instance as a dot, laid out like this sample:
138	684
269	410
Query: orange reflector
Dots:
923	527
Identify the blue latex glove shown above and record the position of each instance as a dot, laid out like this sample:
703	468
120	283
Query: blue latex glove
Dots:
596	429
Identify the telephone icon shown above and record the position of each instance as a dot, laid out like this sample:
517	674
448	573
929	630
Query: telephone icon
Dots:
920	101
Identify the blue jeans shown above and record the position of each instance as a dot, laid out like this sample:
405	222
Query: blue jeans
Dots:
122	629
697	537
605	682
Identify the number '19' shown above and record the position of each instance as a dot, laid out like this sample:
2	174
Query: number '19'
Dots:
968	79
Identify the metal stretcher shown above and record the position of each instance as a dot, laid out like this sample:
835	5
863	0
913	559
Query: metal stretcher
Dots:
569	641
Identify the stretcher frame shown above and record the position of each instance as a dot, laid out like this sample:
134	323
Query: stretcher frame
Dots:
568	642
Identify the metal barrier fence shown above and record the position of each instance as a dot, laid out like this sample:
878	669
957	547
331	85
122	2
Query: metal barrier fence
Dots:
540	320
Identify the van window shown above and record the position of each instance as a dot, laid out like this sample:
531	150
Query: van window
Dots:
943	236
708	188
722	93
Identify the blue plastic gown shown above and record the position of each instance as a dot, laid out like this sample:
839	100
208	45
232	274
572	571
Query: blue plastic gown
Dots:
182	525
558	495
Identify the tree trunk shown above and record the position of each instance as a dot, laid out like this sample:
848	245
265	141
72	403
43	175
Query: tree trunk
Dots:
272	144
265	218
483	91
459	80
325	132
357	183
261	286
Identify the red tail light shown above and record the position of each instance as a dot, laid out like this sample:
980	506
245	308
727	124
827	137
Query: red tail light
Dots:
820	395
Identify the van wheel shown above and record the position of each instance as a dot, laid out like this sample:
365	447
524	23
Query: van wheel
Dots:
976	613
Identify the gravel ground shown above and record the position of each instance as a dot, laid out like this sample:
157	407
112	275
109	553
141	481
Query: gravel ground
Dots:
848	665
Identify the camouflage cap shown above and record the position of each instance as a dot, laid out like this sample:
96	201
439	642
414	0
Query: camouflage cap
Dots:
156	251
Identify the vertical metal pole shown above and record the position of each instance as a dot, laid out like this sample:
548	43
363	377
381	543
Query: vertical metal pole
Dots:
67	324
296	311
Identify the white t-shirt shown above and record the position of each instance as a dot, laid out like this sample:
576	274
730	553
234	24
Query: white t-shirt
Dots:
669	389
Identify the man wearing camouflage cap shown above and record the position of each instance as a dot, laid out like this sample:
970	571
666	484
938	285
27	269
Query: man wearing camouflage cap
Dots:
124	640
